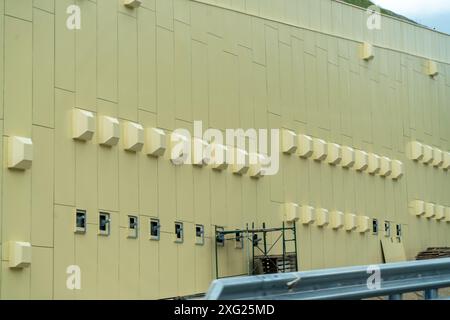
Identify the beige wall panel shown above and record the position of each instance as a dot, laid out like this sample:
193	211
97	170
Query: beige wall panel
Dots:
107	55
2	54
166	195
334	96
18	76
263	202
16	211
260	95
64	48
340	245
86	178
108	165
41	286
330	248
322	78
85	254
199	84
164	14
128	184
1	185
43	68
42	178
258	41
216	73
182	11
15	283
203	265
199	21
234	201
337	178
149	4
218	193
64	251
64	149
168	266
128	266
127	67
165	78
186	261
249	201
276	181
228	27
85	53
22	9
108	261
289	170
304	247
273	70
148	263
317	247
201	186
148	173
185	192
215	22
147	60
230	87
246	119
223	262
236	263
184	184
46	5
183	73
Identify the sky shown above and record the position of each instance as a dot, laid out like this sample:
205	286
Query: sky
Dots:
432	13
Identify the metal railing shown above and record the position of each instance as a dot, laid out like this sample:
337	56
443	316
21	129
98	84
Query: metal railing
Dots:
359	282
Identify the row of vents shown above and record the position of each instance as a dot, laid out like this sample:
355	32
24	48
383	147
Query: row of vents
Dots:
429	210
20	149
428	155
336	220
347	157
135	138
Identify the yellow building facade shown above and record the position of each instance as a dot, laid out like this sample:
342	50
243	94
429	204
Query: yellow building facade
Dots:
277	64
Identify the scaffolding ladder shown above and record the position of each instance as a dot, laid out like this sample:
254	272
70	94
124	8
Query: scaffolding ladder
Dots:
251	237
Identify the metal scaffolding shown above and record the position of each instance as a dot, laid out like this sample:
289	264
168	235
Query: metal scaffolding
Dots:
253	238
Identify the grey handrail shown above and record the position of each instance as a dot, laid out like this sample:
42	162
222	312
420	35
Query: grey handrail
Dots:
339	283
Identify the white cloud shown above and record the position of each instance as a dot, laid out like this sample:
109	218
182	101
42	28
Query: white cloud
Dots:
415	8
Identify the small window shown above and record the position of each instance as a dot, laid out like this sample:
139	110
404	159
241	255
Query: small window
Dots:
220	236
387	229
375	226
132	227
104	224
80	221
178	232
199	234
239	243
154	229
399	230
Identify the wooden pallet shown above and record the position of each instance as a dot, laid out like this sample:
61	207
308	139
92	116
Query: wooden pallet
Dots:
434	253
274	264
